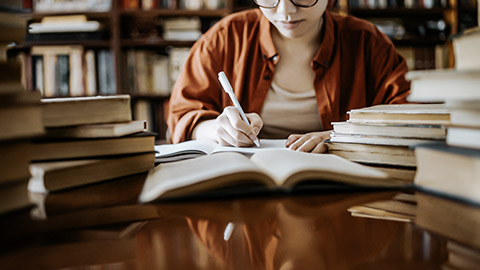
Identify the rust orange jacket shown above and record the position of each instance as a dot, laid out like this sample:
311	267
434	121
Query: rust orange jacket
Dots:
356	66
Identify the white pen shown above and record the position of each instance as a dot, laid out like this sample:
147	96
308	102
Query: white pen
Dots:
228	88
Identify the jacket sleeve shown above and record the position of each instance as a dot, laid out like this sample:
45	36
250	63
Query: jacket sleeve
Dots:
387	73
197	94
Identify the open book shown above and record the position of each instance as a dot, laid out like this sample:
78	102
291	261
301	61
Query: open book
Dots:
269	168
196	148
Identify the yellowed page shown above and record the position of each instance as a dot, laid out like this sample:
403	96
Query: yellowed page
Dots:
201	174
290	167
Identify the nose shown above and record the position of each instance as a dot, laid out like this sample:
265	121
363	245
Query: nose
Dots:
286	7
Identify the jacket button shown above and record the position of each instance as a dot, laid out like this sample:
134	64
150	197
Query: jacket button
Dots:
266	77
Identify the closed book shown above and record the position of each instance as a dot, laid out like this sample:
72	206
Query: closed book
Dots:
394	130
14	161
465	47
57	112
444	84
374	154
14	196
60	175
97	130
377	140
118	191
54	149
449	218
464	136
401	113
449	171
20	116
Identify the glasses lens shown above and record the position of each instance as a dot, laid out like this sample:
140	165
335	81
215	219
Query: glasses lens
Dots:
305	3
266	3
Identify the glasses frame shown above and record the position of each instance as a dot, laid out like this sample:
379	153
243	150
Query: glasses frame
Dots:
293	2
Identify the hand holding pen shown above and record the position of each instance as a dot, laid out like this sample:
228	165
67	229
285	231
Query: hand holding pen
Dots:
236	127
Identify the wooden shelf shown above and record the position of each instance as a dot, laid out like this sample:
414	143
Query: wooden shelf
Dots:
86	43
397	12
38	16
175	12
154	42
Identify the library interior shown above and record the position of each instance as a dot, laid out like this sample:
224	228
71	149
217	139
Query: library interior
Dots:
93	176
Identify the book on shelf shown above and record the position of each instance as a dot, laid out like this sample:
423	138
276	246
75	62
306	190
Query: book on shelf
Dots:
60	175
388	129
182	29
464	136
465	47
270	169
118	191
106	73
441	85
62	70
432	114
97	130
49	6
65	23
373	154
43	149
449	218
449	171
197	148
57	112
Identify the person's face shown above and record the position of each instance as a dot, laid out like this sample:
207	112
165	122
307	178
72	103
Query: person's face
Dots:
292	21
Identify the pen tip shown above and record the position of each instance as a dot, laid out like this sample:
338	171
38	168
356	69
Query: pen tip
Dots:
256	142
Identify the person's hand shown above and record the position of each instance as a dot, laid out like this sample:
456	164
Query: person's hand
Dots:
310	142
232	130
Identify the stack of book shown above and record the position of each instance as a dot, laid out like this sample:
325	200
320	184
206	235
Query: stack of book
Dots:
20	120
451	169
182	29
382	135
88	140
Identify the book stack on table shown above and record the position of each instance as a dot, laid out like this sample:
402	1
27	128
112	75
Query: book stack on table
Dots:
20	120
88	140
382	135
452	169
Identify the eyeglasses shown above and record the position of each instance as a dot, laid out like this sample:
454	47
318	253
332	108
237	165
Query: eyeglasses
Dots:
274	3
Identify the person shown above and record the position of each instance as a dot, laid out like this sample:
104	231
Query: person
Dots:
295	67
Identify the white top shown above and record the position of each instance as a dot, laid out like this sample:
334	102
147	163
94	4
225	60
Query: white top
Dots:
286	112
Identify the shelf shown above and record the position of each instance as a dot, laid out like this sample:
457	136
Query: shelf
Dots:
400	12
91	14
150	97
424	41
175	12
154	42
85	43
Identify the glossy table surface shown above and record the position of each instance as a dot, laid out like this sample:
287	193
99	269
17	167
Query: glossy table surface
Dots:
312	231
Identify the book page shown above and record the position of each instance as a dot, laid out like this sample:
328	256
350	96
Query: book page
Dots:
193	176
196	148
289	167
264	144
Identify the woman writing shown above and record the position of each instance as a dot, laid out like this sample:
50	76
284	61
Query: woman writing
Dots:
295	68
